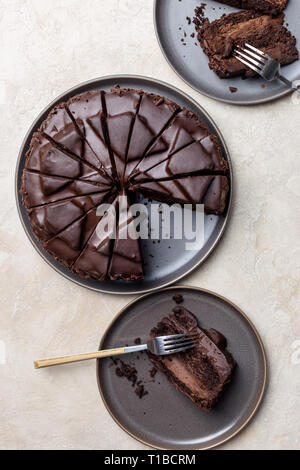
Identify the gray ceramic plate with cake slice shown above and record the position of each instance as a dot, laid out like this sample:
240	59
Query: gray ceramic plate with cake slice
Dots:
185	55
165	418
166	261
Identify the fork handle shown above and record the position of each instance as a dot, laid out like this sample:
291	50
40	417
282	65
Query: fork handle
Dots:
289	83
78	358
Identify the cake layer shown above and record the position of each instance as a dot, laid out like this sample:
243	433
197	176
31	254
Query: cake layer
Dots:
265	6
201	373
219	39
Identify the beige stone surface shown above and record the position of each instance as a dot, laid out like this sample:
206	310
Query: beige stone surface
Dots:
47	47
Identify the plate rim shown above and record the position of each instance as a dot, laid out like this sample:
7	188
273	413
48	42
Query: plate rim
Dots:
116	77
255	332
216	98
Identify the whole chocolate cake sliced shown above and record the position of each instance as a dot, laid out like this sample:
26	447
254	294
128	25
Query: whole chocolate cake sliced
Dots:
102	144
126	262
202	373
220	38
265	6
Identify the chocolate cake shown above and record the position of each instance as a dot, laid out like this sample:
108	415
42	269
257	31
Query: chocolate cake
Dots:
101	145
201	373
265	6
219	39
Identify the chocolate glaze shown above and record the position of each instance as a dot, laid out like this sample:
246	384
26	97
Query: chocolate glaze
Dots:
219	39
201	373
208	190
99	145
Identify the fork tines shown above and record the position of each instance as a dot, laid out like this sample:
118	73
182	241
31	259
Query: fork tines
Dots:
179	343
252	57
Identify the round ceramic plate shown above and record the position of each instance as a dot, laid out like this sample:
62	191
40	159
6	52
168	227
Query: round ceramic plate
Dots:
191	64
165	418
165	261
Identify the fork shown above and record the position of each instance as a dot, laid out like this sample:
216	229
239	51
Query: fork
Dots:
262	64
160	346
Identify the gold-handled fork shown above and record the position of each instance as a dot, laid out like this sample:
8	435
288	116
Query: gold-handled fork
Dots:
160	346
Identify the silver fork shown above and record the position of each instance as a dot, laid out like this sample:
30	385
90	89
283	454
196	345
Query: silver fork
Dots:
262	64
160	346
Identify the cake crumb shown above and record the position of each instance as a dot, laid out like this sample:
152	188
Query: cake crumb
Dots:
178	298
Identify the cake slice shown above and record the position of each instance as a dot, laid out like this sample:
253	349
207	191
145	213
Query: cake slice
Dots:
184	148
46	158
154	115
211	191
121	107
126	262
219	39
69	243
265	6
94	260
87	110
193	159
202	373
68	134
49	220
38	189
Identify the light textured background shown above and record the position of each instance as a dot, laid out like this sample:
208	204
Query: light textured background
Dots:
47	47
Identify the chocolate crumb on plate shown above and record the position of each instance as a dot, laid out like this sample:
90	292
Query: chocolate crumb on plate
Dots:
178	298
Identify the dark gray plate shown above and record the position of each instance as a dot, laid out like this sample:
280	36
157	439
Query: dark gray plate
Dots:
166	261
165	418
191	64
